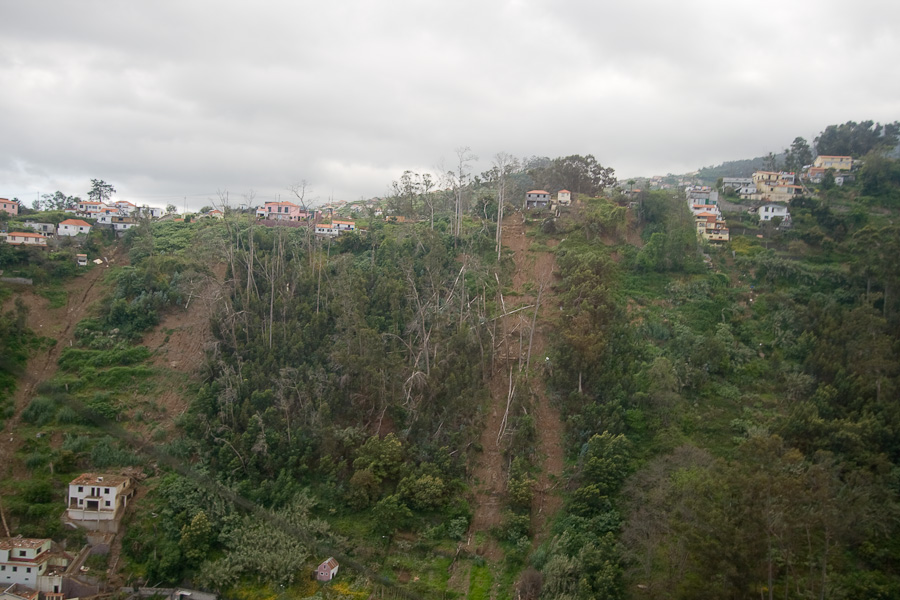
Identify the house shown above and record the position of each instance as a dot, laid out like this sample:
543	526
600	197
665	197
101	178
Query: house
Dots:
20	238
700	208
537	199
45	228
327	570
838	163
97	501
73	227
711	227
89	208
773	178
17	591
343	225
701	195
325	229
120	223
770	211
777	192
736	183
8	206
152	212
81	260
282	211
23	560
564	197
125	207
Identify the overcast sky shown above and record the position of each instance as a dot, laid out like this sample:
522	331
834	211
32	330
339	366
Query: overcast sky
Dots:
174	99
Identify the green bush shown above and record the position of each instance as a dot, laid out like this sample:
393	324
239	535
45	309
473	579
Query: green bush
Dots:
40	411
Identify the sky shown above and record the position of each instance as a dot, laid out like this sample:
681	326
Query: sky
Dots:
182	102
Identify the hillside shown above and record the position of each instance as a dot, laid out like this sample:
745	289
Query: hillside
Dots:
611	408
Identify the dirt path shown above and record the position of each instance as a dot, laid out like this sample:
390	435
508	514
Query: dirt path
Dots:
533	277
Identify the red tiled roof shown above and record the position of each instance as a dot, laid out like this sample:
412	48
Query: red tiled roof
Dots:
76	223
539	192
24	234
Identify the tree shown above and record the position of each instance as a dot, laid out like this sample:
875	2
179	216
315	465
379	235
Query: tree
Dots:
580	174
857	139
171	208
56	201
798	156
100	191
770	163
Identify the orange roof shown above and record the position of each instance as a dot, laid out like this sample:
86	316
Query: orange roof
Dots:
564	192
25	234
75	222
539	192
281	204
706	214
342	222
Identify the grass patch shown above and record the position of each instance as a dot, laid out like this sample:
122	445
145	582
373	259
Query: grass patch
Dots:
480	581
57	297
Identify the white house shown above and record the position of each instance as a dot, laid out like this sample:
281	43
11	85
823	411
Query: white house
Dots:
564	197
23	560
343	225
326	229
770	211
97	501
73	227
327	569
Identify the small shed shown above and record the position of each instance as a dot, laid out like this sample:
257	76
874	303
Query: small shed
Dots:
327	570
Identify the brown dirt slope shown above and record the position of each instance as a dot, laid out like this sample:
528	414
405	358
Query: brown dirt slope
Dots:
56	323
534	275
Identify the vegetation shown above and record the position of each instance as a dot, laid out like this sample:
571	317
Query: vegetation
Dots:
731	427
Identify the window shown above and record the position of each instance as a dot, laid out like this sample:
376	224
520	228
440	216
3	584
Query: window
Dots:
23	553
108	503
80	488
28	570
105	490
15	569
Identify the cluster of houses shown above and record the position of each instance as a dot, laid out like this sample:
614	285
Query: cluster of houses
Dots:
288	213
704	204
782	186
119	216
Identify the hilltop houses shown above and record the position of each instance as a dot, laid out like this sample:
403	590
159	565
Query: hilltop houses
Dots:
770	211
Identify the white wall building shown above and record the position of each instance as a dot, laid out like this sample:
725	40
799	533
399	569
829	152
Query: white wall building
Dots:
73	227
768	212
23	560
95	501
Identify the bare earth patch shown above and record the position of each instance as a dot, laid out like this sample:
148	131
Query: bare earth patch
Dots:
534	274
